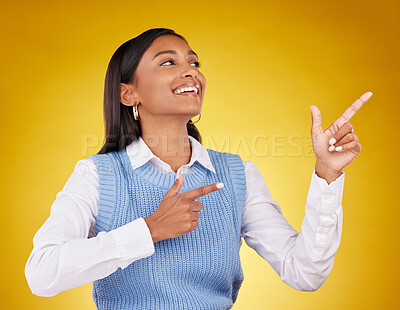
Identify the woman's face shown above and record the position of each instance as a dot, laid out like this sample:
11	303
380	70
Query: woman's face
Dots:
166	68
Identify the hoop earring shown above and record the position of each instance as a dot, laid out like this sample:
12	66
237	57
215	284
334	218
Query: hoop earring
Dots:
191	123
135	112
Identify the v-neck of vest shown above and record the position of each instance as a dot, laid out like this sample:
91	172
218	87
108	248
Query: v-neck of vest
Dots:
192	179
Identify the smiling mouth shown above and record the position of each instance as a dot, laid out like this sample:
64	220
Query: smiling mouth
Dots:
188	89
190	94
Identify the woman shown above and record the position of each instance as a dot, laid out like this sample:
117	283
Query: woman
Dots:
155	219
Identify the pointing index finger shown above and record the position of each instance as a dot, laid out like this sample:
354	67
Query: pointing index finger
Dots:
353	108
203	190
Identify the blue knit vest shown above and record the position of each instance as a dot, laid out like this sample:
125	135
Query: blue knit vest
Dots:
198	270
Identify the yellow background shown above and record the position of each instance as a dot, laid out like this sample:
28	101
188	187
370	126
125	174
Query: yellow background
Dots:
265	63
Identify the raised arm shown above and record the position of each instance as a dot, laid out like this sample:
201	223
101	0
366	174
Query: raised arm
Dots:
66	254
304	260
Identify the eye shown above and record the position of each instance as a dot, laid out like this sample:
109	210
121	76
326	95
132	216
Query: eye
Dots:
196	64
171	61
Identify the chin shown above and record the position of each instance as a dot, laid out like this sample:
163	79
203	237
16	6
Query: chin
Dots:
190	109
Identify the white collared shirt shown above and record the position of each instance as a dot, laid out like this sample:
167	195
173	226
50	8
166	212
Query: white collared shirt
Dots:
66	254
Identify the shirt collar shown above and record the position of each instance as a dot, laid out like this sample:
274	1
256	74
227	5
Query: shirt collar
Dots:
139	153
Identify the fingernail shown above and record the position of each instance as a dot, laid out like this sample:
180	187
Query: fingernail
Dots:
367	96
339	148
332	141
220	185
331	148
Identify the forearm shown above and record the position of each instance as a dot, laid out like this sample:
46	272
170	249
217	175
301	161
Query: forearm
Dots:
311	258
303	260
56	266
309	262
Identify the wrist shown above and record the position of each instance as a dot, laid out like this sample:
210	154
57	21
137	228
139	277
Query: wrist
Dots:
329	175
152	229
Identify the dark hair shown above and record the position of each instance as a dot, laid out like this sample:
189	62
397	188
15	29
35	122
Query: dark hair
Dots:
120	126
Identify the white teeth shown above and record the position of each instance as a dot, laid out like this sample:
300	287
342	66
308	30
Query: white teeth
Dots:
187	89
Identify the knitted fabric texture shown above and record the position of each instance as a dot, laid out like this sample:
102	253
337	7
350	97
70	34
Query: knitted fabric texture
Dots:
198	270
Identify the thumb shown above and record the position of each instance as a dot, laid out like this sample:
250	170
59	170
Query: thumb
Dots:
176	187
316	127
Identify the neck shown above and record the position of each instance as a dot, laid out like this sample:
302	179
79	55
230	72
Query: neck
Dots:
170	143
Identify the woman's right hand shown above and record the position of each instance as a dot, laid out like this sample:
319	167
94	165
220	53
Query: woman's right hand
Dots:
178	215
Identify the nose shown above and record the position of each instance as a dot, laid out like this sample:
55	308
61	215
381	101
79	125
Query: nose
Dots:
189	71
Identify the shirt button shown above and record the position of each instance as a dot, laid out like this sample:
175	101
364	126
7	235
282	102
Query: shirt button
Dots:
321	230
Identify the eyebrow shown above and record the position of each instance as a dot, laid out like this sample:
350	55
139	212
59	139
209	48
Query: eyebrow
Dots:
190	52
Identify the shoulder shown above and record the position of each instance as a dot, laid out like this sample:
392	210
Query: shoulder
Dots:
224	155
254	178
106	156
85	166
223	160
83	182
233	160
247	164
105	163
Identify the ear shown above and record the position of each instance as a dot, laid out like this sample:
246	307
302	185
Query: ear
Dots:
127	96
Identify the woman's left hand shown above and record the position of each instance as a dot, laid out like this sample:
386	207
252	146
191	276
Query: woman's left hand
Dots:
337	146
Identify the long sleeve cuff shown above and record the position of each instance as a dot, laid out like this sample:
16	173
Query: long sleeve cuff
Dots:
324	197
324	216
133	240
